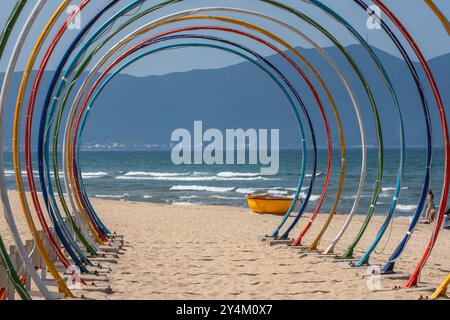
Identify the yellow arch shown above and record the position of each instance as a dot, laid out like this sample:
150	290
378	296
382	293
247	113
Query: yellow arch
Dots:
439	14
442	290
16	150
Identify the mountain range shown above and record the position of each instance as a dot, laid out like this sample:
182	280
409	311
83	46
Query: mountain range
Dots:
145	110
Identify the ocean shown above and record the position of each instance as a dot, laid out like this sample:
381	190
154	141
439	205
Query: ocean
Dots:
150	176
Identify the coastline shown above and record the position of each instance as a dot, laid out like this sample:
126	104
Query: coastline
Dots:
212	252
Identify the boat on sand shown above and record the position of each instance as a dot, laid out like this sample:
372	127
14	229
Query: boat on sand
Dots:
267	204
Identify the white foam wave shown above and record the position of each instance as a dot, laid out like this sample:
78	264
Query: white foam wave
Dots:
225	198
92	175
191	178
245	190
112	196
202	188
312	198
200	173
309	175
9	173
385	195
386	189
60	174
228	174
176	203
278	192
188	197
406	207
154	174
293	189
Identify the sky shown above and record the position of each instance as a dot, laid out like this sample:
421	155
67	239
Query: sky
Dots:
415	15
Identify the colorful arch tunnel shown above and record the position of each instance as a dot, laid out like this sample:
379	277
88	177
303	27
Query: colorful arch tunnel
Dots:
89	43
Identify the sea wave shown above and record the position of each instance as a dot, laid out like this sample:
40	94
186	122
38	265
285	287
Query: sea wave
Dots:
386	189
93	175
406	207
309	175
278	192
180	203
60	174
192	178
366	195
201	173
10	173
312	198
188	197
202	188
112	196
385	195
292	189
246	190
155	174
224	197
228	174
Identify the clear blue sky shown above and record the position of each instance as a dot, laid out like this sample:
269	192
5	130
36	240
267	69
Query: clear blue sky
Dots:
416	16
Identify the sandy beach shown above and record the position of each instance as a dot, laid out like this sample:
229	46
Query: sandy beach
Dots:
213	252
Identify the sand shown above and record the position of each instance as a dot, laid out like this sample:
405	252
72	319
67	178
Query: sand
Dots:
213	252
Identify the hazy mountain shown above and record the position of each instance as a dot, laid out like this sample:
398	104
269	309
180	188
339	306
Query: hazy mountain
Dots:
147	109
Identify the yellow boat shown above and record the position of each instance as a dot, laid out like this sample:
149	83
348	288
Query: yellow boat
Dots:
264	203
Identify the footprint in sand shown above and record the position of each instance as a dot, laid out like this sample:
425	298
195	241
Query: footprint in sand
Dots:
205	259
245	260
308	282
319	291
248	274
